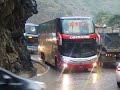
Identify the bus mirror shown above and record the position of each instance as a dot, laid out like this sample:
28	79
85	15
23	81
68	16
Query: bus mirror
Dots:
60	42
59	39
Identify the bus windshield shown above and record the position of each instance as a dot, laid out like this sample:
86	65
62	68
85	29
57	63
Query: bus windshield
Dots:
77	27
79	49
31	29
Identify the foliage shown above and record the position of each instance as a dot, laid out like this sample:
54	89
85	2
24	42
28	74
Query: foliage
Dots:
103	17
114	21
108	18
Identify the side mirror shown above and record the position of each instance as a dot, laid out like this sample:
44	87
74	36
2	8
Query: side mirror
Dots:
59	39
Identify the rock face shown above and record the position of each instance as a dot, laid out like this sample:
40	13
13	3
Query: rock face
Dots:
13	52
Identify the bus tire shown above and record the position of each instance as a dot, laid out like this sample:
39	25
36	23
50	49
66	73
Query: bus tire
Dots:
43	56
100	62
56	61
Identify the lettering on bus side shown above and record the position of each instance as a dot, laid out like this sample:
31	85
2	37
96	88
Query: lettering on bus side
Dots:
78	37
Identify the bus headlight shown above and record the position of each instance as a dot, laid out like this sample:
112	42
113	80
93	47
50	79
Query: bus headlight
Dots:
30	37
94	64
65	65
39	47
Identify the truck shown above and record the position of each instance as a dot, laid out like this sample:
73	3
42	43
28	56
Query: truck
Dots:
108	47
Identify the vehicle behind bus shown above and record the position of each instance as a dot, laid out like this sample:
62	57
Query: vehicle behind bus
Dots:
31	35
68	42
109	47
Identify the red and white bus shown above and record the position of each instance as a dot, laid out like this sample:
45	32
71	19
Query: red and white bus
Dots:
68	42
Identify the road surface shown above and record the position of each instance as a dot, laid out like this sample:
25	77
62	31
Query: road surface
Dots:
101	79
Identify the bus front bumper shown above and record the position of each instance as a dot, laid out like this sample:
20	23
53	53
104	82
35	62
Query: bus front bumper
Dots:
79	66
32	49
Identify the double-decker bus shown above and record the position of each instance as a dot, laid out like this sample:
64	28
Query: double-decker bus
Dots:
68	42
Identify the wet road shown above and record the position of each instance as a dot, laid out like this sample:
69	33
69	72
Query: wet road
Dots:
102	79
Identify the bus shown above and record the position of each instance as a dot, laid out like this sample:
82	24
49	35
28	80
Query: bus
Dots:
31	36
68	42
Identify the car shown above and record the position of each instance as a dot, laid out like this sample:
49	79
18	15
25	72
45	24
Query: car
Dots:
118	74
10	81
31	36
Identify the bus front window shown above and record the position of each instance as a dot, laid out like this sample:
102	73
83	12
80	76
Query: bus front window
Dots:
77	27
31	30
79	49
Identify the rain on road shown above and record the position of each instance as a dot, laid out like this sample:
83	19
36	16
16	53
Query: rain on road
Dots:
102	79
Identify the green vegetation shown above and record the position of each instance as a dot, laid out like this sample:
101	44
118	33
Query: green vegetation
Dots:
104	17
114	21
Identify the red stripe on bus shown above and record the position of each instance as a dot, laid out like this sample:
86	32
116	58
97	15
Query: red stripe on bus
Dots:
79	37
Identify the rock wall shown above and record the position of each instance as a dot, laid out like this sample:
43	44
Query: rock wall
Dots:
13	52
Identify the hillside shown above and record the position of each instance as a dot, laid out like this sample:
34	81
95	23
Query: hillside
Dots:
49	9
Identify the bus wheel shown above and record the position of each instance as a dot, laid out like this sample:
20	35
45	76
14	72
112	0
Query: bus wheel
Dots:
101	64
56	61
100	61
43	56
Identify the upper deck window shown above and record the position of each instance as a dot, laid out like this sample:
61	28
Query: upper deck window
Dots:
77	26
31	29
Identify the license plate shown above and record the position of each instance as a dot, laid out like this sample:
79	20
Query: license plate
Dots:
80	66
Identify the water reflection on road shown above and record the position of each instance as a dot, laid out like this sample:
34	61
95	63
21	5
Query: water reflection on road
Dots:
99	80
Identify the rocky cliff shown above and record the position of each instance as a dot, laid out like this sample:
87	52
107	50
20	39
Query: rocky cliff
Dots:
13	52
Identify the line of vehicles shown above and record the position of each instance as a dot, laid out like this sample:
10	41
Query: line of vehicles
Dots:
75	43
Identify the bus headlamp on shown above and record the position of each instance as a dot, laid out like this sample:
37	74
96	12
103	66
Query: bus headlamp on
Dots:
65	65
30	37
38	47
94	64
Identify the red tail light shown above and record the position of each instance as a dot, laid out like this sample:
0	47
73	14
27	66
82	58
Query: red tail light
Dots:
118	68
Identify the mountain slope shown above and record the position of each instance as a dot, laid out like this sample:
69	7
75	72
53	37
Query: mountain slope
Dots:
49	9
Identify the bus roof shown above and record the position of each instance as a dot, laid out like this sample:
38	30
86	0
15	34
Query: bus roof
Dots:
76	17
31	24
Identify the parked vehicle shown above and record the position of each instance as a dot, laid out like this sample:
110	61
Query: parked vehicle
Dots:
31	35
109	47
10	81
118	75
68	42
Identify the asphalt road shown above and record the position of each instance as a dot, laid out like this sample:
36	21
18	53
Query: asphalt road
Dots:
100	79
